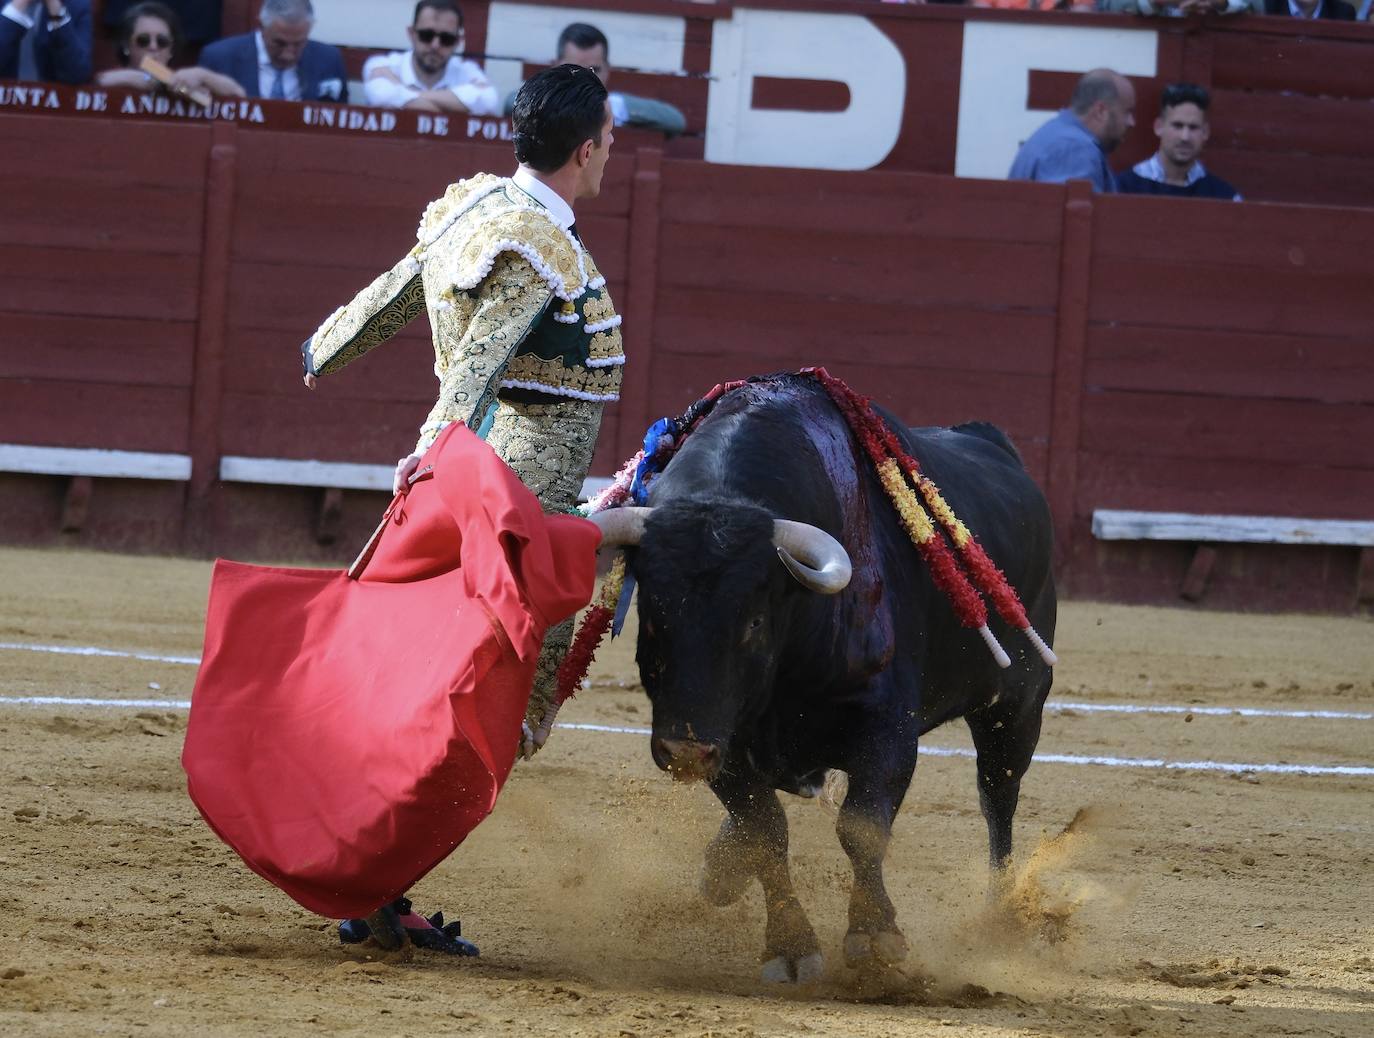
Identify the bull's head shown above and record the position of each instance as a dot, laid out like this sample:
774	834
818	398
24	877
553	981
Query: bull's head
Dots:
714	616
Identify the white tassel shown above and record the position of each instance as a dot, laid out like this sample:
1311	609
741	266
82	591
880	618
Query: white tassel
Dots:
601	326
998	653
1046	653
606	362
576	394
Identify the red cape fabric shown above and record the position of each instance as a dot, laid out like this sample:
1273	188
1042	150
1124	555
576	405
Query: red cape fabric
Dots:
346	735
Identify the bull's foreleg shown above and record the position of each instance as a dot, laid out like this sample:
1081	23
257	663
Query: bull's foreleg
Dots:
753	842
864	828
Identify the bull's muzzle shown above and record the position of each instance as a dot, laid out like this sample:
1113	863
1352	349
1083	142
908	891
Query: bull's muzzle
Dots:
686	759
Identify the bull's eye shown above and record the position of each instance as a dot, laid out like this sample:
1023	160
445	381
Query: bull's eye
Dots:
753	627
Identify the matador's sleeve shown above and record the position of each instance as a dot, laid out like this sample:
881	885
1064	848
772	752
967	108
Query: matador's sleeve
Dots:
490	322
376	313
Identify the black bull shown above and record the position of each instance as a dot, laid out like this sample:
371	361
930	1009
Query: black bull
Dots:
759	684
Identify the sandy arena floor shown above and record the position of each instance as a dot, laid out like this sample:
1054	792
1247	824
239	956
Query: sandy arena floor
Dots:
1183	902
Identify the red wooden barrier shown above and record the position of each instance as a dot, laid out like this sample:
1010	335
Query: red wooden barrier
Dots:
156	280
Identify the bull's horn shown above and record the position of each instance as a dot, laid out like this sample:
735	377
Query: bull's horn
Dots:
816	559
620	526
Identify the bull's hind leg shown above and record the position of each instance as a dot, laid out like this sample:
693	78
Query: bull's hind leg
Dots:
865	828
1005	735
753	841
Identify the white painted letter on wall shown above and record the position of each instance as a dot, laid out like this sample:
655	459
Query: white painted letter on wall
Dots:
796	45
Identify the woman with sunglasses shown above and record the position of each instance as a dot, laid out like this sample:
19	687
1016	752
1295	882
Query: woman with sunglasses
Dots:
152	30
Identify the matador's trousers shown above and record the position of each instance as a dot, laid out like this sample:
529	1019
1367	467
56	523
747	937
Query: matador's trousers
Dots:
550	448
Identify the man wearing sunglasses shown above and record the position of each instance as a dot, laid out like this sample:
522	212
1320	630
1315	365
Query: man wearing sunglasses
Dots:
431	76
47	40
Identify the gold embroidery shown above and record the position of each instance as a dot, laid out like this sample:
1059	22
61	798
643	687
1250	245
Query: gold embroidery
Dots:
472	345
553	376
376	314
605	345
534	232
598	308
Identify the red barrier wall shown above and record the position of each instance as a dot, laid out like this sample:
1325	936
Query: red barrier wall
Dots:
156	281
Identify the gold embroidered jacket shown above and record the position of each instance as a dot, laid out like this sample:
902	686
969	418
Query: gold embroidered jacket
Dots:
514	301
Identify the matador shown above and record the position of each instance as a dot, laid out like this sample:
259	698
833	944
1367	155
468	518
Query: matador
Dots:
527	343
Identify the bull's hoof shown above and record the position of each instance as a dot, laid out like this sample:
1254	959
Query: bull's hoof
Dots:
782	970
722	885
386	929
863	950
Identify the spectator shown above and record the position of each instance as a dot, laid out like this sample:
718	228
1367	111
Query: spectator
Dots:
586	45
1074	144
280	61
1177	8
153	30
1335	10
200	19
1182	129
46	40
431	76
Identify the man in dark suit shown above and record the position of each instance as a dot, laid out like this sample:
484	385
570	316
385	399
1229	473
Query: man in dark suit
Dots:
1336	10
280	61
46	40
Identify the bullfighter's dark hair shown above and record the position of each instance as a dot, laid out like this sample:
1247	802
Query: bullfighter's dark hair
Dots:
149	9
584	36
438	5
1184	94
557	111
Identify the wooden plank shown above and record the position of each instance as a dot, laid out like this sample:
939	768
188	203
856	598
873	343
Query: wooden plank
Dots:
88	414
80	184
280	427
1114	478
85	283
268	362
863	267
343	475
1116	524
1273	64
1269	237
907	204
97	349
1233	364
1330	180
109	464
1289	122
771	330
1194	294
306	473
1278	432
930	117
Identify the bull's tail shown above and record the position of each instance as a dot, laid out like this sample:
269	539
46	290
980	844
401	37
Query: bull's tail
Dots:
988	431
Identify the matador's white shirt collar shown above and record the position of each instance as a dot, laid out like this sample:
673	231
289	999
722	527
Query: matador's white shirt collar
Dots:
546	196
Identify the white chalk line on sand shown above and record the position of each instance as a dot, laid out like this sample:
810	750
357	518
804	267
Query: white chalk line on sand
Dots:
1054	705
932	751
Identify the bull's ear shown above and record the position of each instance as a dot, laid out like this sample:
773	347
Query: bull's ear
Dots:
815	559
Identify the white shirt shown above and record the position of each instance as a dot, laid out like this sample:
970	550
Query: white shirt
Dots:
28	20
267	75
464	78
1298	12
546	196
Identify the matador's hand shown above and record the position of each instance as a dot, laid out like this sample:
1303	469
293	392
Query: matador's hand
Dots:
534	734
405	468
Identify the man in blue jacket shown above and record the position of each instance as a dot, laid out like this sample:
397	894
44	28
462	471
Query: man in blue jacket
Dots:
1074	144
280	61
47	40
